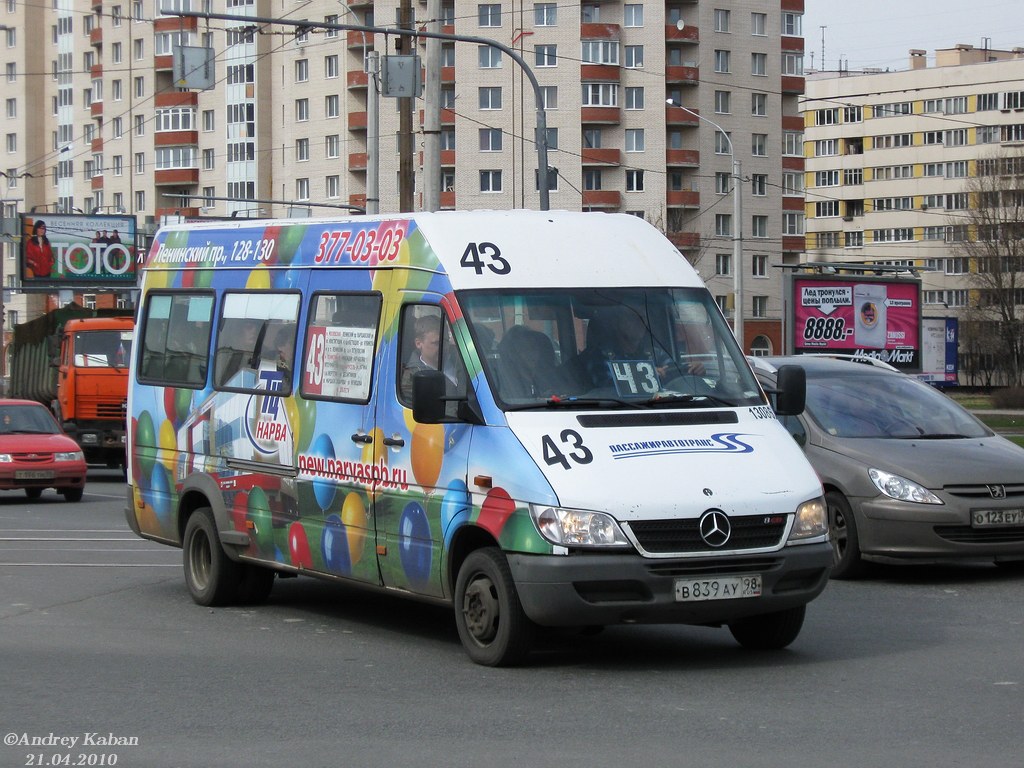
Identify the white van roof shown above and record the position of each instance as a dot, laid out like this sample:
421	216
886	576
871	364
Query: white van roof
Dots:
477	249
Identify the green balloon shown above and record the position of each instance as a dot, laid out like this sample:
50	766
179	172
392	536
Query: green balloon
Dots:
259	514
182	403
520	535
145	438
288	243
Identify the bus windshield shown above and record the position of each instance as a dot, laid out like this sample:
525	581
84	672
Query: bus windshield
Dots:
607	347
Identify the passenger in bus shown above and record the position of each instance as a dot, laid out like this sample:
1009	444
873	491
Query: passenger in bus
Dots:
238	347
527	364
427	343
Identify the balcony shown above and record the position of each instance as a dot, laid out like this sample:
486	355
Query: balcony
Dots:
357	200
682	73
448	157
601	199
684	240
96	182
357	79
600	115
176	24
447	117
794	243
448	200
677	116
357	40
600	156
96	109
177	211
176	99
357	121
682	198
96	71
792	84
96	37
688	34
163	63
96	145
175	138
600	31
686	158
599	73
168	177
357	161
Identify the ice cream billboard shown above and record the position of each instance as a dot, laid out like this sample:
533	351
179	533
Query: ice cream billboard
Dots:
68	251
857	314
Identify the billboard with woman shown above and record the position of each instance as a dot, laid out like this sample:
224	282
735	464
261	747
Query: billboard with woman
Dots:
63	251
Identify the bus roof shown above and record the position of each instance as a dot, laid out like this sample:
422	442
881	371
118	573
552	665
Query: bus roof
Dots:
477	249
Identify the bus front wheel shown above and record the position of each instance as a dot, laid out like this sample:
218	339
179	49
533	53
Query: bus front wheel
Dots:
492	625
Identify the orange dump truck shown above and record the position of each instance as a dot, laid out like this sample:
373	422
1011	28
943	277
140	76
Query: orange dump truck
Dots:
75	361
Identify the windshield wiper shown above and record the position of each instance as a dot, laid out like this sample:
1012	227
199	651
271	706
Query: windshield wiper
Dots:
665	398
935	436
572	401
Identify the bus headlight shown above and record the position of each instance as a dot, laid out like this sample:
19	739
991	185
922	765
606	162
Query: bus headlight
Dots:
578	527
811	520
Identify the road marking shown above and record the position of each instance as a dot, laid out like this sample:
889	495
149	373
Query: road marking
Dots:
71	538
91	565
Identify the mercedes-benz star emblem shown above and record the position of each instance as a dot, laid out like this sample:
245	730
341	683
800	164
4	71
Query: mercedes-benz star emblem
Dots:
715	528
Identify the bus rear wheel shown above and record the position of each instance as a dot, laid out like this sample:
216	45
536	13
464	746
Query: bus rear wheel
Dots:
492	625
211	576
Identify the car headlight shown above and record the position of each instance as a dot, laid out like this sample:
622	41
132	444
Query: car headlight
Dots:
901	489
69	456
811	520
5	458
578	527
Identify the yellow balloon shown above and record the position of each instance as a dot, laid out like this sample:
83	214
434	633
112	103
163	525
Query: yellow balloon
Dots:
353	515
259	279
168	446
410	422
375	448
427	453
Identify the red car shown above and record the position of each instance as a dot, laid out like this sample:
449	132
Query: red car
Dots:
35	454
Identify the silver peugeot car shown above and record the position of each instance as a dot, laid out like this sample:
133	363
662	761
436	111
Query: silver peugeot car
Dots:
908	473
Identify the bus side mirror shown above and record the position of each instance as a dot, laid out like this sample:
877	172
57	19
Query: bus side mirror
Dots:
428	396
790	390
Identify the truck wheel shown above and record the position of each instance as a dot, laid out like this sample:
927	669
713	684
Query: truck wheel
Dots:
842	530
492	625
769	631
211	576
33	493
73	494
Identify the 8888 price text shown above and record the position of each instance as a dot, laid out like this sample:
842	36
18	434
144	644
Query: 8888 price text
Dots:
826	329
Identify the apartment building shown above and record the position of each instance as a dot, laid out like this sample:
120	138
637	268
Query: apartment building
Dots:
284	122
891	161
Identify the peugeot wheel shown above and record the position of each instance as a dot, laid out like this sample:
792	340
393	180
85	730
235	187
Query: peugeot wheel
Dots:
842	529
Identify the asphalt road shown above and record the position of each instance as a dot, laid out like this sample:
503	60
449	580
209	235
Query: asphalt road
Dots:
918	666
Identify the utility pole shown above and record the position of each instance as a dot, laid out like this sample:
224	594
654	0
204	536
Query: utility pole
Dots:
406	146
432	113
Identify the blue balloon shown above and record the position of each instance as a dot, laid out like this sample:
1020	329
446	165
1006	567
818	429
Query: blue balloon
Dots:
414	546
160	493
324	490
334	546
454	508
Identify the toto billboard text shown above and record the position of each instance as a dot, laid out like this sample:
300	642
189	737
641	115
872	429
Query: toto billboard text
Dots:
65	251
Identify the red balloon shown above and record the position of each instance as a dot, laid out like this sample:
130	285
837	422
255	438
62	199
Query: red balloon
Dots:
496	510
169	404
240	510
298	546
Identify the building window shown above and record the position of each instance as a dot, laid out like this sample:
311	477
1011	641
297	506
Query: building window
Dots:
634	56
853	114
209	120
332	106
723	264
302	150
302	71
549	95
600	52
722	62
760	307
447	139
722	102
591	179
792	24
792	223
635	140
722	19
723	143
546	55
853	239
490	98
793	143
759	265
301	110
633	15
302	189
759	24
826	178
600	94
490	181
759	144
332	145
759	184
634	97
826	208
489	14
333	187
331	69
793	64
634	180
759	104
490	139
545	14
723	225
489	57
759	64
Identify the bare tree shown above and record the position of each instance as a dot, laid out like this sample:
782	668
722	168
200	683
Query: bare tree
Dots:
990	235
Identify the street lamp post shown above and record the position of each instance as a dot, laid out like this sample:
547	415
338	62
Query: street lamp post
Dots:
737	226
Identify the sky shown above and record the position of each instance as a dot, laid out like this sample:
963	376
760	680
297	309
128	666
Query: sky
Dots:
879	33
